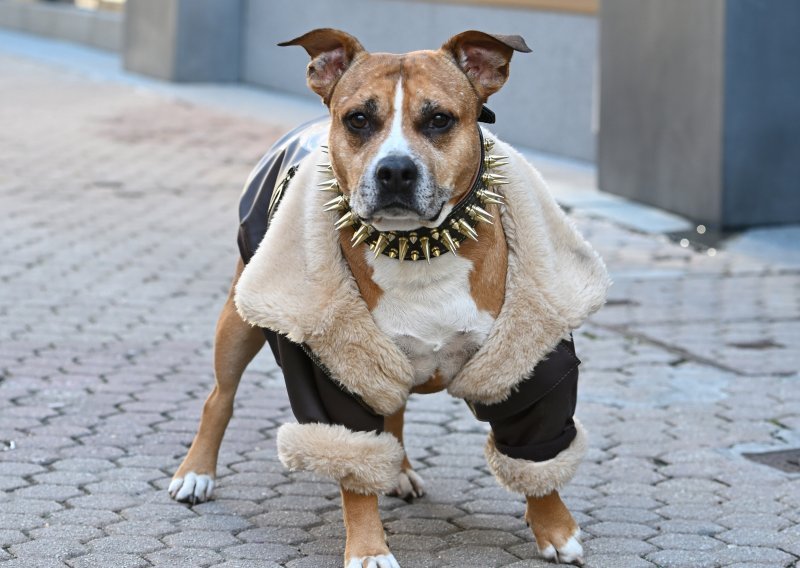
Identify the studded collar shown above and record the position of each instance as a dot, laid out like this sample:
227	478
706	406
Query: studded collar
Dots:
425	242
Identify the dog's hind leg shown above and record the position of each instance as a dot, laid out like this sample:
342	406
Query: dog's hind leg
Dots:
235	344
409	483
366	542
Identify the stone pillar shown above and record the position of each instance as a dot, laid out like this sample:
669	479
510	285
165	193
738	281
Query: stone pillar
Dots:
700	108
183	40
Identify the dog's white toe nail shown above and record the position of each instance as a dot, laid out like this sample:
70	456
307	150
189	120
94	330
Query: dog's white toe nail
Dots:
174	485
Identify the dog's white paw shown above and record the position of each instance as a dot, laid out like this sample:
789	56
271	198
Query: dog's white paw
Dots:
382	561
570	552
409	485
192	488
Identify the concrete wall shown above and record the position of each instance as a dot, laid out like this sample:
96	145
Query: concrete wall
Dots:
761	142
547	103
700	111
183	40
97	29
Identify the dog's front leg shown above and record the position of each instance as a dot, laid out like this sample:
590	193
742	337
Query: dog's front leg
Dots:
556	532
366	542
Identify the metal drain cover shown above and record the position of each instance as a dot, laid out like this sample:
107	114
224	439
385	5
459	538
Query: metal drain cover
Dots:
784	460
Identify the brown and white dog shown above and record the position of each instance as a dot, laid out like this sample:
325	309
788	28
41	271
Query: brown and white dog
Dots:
403	148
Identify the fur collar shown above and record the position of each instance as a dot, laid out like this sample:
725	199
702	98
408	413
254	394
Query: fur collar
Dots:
555	281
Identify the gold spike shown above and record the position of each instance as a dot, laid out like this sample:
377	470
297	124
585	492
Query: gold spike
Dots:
412	238
489	197
495	161
425	243
435	235
494	179
488	144
346	220
330	185
338	203
381	244
467	229
449	242
393	253
360	235
436	252
480	214
324	168
402	248
415	256
324	148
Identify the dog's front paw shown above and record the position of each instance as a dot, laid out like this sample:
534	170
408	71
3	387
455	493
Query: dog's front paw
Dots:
191	488
569	551
381	561
409	485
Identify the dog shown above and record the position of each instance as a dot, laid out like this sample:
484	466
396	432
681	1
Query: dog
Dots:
398	247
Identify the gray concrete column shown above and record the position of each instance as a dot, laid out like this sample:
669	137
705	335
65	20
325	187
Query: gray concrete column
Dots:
700	107
183	40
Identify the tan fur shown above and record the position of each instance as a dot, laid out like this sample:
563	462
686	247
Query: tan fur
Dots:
365	536
489	256
362	272
550	520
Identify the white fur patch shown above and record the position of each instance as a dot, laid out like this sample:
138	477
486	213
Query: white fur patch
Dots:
193	487
428	311
569	553
396	142
382	561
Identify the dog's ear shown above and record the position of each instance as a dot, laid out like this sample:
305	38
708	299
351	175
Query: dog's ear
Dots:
484	58
332	52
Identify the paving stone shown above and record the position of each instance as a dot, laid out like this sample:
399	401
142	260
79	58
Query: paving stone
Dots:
176	557
60	548
261	551
487	556
107	560
201	539
127	544
607	545
686	542
683	558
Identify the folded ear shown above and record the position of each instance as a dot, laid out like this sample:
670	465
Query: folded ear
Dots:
332	52
484	58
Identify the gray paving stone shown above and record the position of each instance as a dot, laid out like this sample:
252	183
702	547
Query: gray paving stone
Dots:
609	545
201	539
108	560
127	544
686	542
261	551
176	557
487	556
59	548
684	559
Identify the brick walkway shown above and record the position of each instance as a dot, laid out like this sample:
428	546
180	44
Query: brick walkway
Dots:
118	212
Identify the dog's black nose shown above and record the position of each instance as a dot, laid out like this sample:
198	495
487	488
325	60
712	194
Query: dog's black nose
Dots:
397	175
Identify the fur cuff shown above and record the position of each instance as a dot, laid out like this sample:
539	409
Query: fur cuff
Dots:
363	462
537	479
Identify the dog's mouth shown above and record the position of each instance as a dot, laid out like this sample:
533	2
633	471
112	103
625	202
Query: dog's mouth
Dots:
397	217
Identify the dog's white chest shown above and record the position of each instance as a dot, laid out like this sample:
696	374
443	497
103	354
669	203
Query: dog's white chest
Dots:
428	311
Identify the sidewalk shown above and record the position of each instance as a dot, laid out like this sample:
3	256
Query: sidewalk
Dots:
118	213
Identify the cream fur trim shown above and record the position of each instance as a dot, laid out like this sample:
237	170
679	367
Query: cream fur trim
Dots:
363	462
537	479
555	280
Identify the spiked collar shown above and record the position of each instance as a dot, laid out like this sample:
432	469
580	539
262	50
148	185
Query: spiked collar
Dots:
426	242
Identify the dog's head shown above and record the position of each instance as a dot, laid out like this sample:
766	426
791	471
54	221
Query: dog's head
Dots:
403	141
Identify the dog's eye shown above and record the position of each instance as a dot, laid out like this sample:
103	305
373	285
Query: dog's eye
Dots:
358	120
439	121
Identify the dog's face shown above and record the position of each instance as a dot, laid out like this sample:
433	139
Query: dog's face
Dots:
404	141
